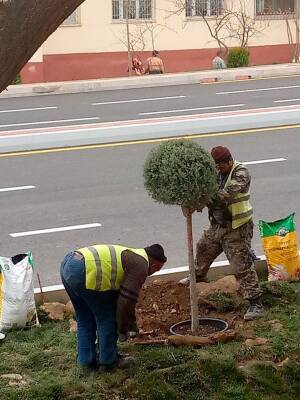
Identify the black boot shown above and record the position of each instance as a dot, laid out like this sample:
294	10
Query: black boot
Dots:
255	310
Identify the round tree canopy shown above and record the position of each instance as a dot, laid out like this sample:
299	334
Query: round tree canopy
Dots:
180	172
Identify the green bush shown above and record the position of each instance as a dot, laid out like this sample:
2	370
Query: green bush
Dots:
238	57
180	172
17	80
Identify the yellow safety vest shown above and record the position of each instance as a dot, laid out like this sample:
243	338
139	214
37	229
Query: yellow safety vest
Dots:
103	266
239	207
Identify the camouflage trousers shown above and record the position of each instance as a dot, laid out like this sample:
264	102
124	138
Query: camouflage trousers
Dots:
236	244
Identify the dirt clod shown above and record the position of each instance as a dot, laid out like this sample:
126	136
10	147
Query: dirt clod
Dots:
14	377
228	284
72	325
69	308
259	341
55	311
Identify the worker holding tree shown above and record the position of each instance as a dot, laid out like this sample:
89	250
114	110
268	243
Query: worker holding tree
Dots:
103	283
231	229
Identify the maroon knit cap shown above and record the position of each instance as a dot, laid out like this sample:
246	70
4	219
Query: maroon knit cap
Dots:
220	153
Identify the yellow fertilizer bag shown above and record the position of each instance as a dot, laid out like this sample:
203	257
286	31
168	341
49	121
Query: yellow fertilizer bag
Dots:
279	240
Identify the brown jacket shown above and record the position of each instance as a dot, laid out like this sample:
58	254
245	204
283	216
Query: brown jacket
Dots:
136	271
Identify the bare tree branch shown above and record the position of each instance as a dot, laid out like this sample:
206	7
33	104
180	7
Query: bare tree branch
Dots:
139	33
229	22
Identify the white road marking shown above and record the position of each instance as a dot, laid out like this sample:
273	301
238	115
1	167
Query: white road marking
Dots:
51	230
28	109
50	122
260	89
11	189
271	160
286	101
138	100
192	109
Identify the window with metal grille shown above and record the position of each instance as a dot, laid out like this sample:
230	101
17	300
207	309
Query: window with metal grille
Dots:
73	19
131	9
275	7
207	8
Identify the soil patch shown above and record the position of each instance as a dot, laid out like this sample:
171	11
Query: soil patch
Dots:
203	330
164	303
161	305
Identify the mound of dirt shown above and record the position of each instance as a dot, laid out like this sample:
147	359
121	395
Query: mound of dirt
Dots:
162	304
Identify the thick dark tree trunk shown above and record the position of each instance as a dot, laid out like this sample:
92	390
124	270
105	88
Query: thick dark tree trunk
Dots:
24	26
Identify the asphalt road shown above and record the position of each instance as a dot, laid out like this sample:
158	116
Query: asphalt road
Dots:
105	186
135	104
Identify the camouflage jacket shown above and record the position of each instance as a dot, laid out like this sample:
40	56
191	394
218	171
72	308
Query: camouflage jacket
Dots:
240	183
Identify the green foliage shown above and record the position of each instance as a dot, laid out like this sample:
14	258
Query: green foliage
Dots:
187	378
47	389
46	359
221	370
266	378
151	387
223	302
17	80
238	57
180	172
278	292
161	357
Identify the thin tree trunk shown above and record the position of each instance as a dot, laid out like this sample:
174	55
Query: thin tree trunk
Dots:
297	50
129	57
24	26
290	39
193	288
128	48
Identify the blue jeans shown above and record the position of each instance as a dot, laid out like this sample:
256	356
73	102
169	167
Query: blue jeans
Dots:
95	313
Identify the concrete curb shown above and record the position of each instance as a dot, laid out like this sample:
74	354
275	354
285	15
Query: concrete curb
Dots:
219	269
209	76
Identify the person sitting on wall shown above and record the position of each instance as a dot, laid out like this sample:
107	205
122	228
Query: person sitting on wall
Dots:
154	64
218	62
137	66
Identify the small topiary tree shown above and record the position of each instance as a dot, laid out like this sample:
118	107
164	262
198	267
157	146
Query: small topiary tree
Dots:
181	172
238	57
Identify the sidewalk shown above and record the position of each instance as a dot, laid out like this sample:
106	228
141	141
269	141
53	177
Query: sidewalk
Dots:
208	76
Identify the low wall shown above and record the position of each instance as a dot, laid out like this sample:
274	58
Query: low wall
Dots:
78	66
